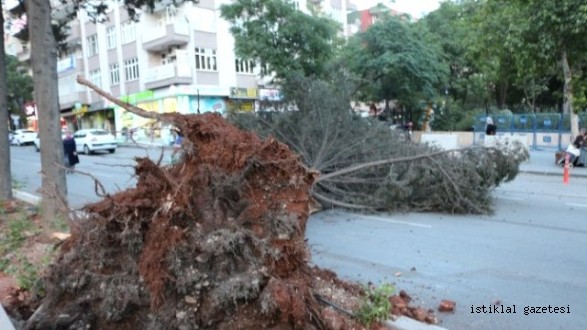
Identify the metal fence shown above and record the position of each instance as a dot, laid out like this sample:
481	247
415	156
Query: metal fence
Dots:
543	129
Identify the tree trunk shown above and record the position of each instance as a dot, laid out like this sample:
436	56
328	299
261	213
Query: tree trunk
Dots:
568	95
5	179
44	63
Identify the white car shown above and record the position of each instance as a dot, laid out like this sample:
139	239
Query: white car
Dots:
90	140
37	141
23	136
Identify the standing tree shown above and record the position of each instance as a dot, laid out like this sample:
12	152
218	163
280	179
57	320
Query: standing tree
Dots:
5	179
44	65
556	33
281	38
395	62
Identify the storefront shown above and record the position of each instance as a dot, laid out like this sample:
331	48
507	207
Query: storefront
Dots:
270	99
242	99
145	128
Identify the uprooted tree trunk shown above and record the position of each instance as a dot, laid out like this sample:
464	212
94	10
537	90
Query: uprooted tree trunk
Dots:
215	241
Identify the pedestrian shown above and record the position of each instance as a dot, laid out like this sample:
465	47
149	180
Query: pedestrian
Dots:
70	153
125	133
176	154
373	111
409	129
581	144
490	128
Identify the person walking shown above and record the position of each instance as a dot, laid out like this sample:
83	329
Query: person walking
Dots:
176	155
490	129
581	144
70	153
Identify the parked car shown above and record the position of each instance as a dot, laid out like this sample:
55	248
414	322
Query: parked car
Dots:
10	136
23	136
90	140
37	141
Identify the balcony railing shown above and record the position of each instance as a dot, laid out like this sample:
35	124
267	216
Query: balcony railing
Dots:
165	35
167	75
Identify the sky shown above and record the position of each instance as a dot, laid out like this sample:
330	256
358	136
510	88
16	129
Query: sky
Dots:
416	8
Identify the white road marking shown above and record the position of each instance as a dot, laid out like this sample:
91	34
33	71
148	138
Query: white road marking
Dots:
399	222
576	204
511	198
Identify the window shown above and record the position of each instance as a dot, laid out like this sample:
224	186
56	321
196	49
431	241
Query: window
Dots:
92	45
128	32
244	66
96	78
206	59
114	74
131	69
111	37
170	56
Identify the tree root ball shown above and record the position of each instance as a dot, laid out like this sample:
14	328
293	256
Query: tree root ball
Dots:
213	242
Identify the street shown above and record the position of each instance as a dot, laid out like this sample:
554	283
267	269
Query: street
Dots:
530	253
114	171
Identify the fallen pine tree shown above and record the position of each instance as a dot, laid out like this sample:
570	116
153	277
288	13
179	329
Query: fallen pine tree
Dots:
363	164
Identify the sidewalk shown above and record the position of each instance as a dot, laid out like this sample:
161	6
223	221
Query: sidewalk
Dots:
541	162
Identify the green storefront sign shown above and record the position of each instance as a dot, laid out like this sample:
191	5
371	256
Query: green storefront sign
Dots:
137	97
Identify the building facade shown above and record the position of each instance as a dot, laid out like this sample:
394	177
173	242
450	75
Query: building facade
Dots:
361	20
179	58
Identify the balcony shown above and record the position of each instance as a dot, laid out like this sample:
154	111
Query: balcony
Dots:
167	75
166	35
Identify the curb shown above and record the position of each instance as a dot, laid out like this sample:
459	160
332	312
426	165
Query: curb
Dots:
550	173
5	322
144	145
406	323
26	197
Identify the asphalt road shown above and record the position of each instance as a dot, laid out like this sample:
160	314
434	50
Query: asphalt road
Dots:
114	171
531	252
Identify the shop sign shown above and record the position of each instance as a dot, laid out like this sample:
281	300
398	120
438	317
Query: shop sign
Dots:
270	95
78	110
243	93
66	64
30	109
136	97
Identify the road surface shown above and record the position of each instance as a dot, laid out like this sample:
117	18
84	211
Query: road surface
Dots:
531	252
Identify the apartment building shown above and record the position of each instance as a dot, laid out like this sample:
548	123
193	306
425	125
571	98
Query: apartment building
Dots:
361	20
177	58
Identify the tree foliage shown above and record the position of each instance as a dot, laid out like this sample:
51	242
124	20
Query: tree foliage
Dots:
395	61
281	38
20	85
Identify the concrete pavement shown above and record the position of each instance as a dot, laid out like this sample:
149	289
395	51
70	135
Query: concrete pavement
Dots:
542	163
